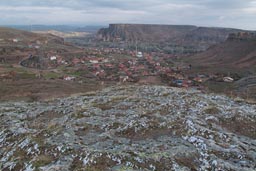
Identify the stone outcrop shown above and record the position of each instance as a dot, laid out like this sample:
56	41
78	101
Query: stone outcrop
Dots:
129	128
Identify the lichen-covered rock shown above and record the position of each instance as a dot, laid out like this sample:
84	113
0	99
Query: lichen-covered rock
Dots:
129	128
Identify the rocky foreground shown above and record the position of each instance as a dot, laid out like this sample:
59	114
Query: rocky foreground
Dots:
129	128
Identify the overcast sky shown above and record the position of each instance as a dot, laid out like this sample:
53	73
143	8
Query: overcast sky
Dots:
220	13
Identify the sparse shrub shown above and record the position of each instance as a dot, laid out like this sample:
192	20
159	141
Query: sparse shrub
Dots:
212	110
103	106
78	115
42	160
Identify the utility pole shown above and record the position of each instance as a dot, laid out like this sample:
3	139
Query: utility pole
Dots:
136	47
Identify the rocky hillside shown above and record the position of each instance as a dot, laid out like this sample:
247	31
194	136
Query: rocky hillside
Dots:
129	128
17	44
172	38
64	34
14	42
10	36
238	51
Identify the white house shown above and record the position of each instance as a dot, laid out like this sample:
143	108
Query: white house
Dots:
15	40
53	58
69	78
139	55
94	61
105	60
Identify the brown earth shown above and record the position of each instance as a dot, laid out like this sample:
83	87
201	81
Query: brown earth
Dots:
237	52
33	90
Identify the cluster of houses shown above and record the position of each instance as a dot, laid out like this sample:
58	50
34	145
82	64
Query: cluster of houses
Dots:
100	64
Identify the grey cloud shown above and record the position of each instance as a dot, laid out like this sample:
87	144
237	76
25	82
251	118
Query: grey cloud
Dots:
226	13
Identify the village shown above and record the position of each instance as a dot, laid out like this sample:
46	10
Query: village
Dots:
115	65
52	59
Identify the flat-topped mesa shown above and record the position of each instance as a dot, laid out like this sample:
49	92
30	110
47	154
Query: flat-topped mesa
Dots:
175	39
142	32
241	36
160	33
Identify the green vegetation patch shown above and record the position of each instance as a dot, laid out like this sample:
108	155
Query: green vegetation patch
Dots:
51	75
212	110
42	160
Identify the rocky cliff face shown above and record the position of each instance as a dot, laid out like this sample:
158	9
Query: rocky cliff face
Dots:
242	36
142	32
172	37
129	128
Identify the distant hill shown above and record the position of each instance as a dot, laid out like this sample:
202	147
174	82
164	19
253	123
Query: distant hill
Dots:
171	38
64	34
16	44
238	51
61	28
9	34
